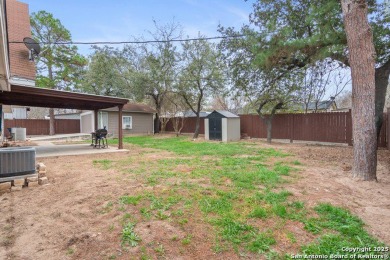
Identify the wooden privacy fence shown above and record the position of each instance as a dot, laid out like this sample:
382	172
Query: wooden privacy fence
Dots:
42	126
189	125
333	127
320	127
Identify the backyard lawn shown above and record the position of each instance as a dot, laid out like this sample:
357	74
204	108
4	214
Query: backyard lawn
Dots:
173	198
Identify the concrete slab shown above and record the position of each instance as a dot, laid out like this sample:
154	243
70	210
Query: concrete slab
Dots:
44	143
59	137
72	149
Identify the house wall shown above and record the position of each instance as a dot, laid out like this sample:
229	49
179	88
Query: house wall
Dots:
67	116
15	112
18	26
87	122
142	123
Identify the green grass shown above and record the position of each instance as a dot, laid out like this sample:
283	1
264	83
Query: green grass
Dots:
259	212
349	230
129	237
186	240
273	197
234	231
104	164
233	190
261	243
182	146
216	205
132	200
70	251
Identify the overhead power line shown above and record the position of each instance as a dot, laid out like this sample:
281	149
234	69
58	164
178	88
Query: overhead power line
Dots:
138	42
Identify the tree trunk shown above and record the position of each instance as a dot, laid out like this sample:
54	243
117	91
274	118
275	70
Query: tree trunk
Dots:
51	110
198	105
268	122
52	122
196	133
156	124
381	82
362	61
157	104
164	122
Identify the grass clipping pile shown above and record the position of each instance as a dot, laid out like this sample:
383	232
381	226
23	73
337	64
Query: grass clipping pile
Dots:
176	199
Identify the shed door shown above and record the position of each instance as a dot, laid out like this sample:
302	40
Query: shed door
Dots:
215	128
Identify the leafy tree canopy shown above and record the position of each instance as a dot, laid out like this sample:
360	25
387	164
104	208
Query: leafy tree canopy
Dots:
304	31
59	66
104	76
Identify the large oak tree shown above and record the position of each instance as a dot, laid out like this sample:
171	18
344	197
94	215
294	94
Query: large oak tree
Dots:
201	75
361	58
59	66
299	33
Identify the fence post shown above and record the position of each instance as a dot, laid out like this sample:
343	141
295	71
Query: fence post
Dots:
292	129
348	129
252	128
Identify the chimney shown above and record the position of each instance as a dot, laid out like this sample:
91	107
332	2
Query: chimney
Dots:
22	71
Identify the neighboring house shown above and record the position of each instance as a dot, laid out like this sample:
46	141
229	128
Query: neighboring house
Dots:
67	116
322	106
15	112
189	122
190	113
136	119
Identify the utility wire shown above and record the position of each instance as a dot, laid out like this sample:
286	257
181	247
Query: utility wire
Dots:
139	42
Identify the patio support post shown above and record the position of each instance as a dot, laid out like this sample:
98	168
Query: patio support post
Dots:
120	130
96	119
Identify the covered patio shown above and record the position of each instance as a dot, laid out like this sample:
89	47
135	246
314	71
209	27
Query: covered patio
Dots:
40	97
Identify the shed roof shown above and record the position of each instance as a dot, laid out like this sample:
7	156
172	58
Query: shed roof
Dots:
190	113
225	113
321	105
134	107
41	97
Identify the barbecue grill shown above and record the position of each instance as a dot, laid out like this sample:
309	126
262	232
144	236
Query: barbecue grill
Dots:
99	138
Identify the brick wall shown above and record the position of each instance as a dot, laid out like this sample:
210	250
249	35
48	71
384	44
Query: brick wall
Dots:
18	27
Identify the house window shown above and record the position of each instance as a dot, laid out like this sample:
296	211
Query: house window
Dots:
127	122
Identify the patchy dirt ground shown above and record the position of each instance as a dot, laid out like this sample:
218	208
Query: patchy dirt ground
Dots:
18	143
64	220
325	176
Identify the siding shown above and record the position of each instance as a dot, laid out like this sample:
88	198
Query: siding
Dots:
142	123
86	122
233	129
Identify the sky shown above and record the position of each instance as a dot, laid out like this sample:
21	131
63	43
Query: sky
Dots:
121	20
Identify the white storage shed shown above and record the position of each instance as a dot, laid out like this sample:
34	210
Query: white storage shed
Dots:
223	126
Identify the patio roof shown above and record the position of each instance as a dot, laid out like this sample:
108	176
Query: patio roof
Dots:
40	97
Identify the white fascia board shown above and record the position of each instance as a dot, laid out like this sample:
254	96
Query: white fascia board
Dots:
21	82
